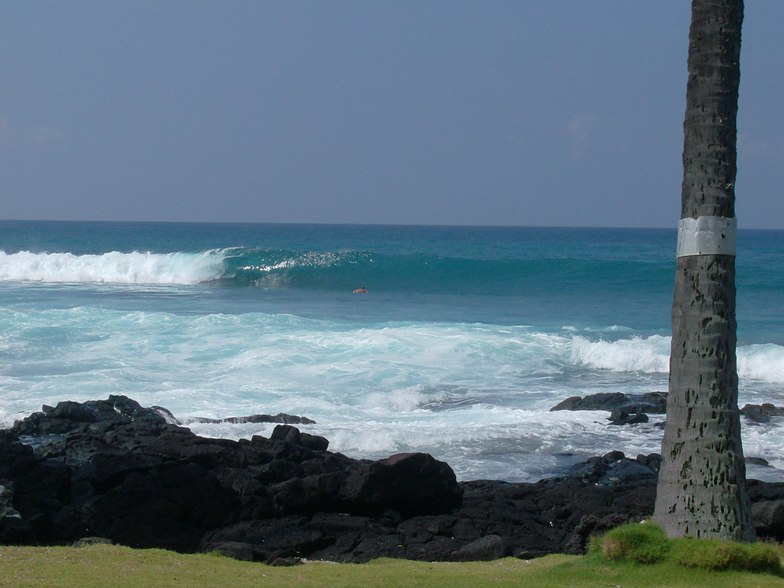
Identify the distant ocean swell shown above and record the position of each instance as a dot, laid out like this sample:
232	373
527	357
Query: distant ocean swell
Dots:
325	270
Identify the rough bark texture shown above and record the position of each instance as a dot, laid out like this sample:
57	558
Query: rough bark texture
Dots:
702	484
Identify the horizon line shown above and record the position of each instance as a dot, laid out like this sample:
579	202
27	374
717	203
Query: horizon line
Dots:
363	224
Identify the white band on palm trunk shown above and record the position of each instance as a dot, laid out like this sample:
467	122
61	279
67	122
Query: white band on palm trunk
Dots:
707	235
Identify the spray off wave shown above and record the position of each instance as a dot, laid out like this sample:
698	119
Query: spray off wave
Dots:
650	355
112	268
232	265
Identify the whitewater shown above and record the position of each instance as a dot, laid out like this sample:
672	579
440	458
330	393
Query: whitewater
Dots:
465	340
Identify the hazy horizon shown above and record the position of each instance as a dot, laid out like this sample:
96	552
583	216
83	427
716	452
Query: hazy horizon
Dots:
672	228
453	113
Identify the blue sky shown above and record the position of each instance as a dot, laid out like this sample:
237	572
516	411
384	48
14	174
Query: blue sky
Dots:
548	112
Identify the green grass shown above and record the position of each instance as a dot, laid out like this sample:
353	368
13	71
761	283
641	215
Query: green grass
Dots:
719	555
648	544
116	567
637	543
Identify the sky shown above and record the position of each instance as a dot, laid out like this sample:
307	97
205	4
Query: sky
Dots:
448	112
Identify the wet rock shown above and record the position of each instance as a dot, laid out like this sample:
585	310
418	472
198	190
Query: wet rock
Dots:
290	434
601	401
652	461
282	418
650	403
622	416
117	470
761	413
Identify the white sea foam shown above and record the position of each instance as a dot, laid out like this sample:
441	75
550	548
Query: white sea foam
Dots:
425	362
112	268
475	395
480	441
308	259
649	355
637	354
761	362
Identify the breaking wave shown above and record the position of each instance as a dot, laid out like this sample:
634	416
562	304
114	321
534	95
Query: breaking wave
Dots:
328	270
112	268
763	363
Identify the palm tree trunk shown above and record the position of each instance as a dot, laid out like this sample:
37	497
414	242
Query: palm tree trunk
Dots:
702	482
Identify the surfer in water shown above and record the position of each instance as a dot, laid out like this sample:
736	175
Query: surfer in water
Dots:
360	290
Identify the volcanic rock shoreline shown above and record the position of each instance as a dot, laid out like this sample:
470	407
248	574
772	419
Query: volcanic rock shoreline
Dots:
131	475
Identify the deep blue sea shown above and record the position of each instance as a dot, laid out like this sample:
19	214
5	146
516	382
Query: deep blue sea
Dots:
465	339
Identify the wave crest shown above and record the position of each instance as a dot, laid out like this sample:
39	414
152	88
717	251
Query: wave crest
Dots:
764	363
322	270
761	362
113	268
647	355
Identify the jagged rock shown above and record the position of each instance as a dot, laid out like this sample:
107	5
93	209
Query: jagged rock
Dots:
167	507
652	461
116	469
767	508
600	401
130	474
281	417
13	530
7	509
650	403
622	416
287	536
761	413
409	483
768	518
70	416
290	434
485	548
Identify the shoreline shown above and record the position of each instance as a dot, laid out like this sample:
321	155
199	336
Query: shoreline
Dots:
117	470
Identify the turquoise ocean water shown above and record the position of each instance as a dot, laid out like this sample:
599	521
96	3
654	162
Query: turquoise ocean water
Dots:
465	339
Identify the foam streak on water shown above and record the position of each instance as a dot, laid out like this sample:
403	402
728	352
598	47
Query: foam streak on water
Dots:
474	394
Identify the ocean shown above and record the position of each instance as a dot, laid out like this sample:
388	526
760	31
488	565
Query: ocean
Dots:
465	339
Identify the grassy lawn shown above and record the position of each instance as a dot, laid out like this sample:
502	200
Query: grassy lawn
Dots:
115	567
